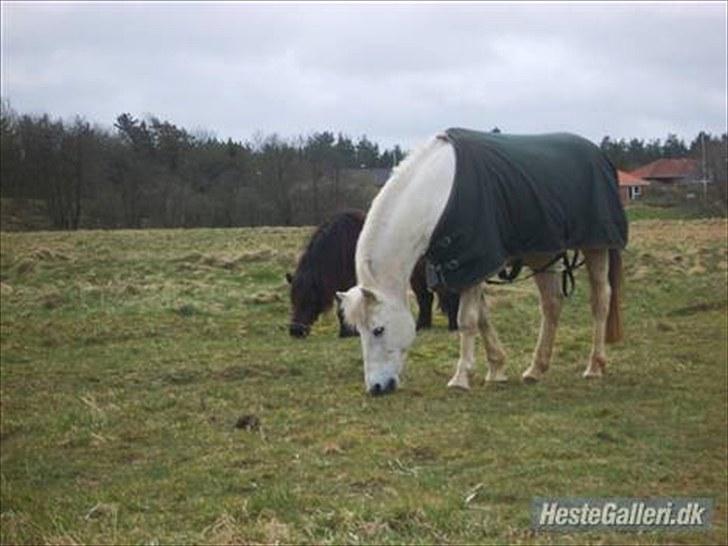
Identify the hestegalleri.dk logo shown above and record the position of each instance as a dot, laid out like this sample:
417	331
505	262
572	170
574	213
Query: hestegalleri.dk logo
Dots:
621	514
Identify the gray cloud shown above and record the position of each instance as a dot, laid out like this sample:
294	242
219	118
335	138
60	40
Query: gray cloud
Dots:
396	72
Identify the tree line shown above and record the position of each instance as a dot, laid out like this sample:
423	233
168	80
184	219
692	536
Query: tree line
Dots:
631	154
152	173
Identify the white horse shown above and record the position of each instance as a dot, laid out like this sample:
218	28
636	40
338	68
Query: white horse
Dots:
397	233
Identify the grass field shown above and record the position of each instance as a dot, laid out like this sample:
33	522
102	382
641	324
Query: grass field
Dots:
129	357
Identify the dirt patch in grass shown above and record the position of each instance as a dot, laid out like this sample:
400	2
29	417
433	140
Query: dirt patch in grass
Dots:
131	290
24	267
248	422
701	307
181	377
232	373
188	310
263	297
53	300
423	453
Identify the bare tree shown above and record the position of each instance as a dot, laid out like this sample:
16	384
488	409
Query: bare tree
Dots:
276	176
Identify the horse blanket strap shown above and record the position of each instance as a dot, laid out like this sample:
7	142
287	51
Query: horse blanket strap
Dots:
507	276
567	274
515	195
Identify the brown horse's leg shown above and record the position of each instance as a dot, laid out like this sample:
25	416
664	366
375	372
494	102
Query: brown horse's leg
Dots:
449	302
493	348
549	289
597	262
418	283
424	302
468	314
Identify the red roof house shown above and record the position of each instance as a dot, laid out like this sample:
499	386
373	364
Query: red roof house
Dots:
670	171
630	186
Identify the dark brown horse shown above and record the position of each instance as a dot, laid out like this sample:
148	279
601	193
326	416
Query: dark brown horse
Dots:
327	266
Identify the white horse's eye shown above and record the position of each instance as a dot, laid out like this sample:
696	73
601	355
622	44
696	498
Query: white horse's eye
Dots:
378	331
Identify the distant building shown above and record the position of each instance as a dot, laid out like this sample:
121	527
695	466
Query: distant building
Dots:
670	171
630	186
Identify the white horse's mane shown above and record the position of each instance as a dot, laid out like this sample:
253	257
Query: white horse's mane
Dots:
400	173
379	214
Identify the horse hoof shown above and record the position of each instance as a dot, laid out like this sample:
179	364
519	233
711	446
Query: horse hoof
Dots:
529	379
459	383
298	330
596	368
496	378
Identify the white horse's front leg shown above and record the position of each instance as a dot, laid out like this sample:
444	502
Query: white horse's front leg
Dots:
468	327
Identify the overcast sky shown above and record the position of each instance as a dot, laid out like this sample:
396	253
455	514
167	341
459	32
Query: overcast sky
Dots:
396	72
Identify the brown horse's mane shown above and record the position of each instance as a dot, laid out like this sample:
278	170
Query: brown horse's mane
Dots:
327	264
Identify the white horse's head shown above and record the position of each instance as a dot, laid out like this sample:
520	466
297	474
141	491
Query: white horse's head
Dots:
386	330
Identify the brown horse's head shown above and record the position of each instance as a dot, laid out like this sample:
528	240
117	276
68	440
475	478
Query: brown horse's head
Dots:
326	265
306	303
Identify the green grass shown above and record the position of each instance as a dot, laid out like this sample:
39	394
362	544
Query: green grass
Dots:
129	356
680	210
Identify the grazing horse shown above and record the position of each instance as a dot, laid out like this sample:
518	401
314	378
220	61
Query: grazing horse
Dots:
532	227
327	265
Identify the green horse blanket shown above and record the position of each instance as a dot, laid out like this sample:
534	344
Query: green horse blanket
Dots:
522	194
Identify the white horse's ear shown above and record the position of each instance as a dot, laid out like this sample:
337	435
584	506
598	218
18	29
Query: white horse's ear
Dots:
353	306
370	296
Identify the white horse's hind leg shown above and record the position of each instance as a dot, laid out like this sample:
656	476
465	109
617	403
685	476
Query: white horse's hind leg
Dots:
597	262
551	301
468	313
493	348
